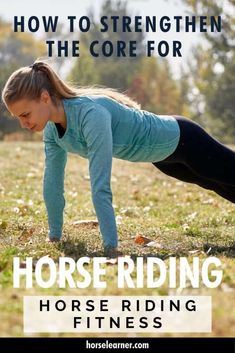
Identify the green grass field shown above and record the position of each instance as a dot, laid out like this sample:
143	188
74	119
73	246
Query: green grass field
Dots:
185	219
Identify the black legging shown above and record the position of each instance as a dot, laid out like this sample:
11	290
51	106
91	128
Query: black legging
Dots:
201	160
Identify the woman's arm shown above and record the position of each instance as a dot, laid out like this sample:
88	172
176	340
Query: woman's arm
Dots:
96	129
53	186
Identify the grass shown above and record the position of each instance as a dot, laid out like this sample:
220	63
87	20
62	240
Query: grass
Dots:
185	219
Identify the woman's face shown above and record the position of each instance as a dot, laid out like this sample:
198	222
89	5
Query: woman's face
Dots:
32	114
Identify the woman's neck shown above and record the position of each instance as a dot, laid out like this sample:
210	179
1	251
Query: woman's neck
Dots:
58	114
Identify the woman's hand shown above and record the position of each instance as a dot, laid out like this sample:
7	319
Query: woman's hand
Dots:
52	240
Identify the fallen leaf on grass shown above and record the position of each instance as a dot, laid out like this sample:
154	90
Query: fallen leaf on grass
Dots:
154	244
23	264
26	234
185	227
226	288
86	223
16	210
30	175
209	201
119	219
191	216
3	224
142	240
14	296
192	252
22	210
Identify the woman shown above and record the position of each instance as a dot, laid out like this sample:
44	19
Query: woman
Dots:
99	124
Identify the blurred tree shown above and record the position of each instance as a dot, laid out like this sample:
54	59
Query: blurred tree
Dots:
148	80
16	49
212	71
62	34
112	71
155	89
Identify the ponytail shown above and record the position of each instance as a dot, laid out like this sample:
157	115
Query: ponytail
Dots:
28	82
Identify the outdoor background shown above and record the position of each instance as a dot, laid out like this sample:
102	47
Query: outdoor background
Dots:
184	219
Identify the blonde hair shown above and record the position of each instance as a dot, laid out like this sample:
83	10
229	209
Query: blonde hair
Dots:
28	82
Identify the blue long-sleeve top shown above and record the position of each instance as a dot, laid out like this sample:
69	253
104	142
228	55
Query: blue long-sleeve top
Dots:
99	128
